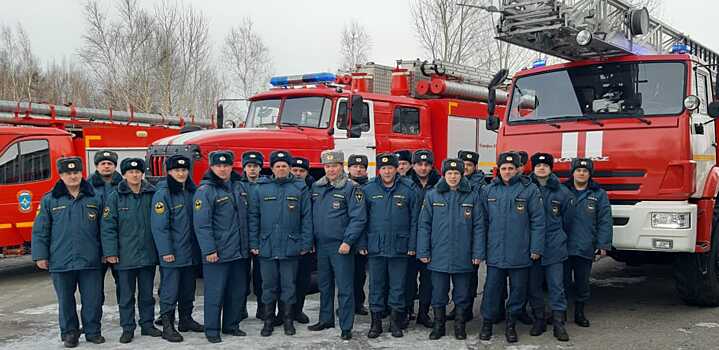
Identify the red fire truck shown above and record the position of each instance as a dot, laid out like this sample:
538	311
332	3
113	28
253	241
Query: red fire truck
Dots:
34	136
414	105
636	96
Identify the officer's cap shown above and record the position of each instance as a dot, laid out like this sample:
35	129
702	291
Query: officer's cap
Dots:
468	156
508	157
69	164
404	154
423	155
542	158
177	161
452	164
252	157
387	159
299	162
331	156
132	163
583	163
105	155
222	157
358	159
280	156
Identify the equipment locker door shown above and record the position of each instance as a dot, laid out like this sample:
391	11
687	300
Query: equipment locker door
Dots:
365	144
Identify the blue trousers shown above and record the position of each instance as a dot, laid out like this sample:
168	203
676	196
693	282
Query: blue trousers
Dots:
334	268
279	280
142	281
461	285
104	269
425	284
494	284
360	277
554	276
577	270
177	287
304	278
89	282
225	293
387	274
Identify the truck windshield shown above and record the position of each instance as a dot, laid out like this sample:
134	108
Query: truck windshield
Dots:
600	91
311	112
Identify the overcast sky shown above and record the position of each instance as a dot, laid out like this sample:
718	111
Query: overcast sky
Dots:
303	35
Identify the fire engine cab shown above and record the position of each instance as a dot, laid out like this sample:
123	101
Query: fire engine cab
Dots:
34	136
414	105
635	96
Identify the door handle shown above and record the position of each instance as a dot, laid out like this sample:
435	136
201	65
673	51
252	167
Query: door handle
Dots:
372	147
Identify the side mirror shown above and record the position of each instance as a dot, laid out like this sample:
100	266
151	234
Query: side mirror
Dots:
713	109
356	114
492	120
229	124
220	116
492	123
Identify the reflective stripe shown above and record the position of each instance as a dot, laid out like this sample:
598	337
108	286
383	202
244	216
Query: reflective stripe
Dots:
26	224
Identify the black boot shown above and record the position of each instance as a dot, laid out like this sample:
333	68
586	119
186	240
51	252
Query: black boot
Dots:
375	328
579	317
288	321
524	317
300	316
559	319
395	326
71	339
188	324
539	326
452	314
260	314
151	331
486	332
460	331
269	319
440	318
423	316
510	332
280	312
126	336
168	330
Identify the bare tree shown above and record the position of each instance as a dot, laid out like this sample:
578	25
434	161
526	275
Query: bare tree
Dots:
19	69
355	45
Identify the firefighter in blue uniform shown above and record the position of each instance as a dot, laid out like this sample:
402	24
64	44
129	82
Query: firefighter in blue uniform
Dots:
66	241
127	243
177	247
450	224
357	166
252	162
280	231
404	161
301	170
424	177
590	233
391	240
558	211
512	237
339	218
105	181
220	221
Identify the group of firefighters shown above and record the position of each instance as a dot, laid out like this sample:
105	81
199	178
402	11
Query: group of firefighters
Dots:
413	230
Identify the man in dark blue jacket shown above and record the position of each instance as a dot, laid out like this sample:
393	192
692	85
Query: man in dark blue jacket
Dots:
558	211
512	237
127	243
301	170
392	214
252	162
177	247
357	165
425	177
339	216
220	221
280	232
66	241
590	233
449	227
404	158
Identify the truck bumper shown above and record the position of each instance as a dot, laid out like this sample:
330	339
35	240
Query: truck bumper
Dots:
633	227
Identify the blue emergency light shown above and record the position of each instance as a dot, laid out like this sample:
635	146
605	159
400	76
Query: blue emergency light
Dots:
679	48
313	78
539	62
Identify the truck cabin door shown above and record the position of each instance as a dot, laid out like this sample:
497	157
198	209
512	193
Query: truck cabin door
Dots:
702	136
365	144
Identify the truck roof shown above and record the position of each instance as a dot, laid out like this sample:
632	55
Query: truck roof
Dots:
32	130
323	90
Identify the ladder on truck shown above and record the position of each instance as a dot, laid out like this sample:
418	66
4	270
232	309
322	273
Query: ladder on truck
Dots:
583	29
24	113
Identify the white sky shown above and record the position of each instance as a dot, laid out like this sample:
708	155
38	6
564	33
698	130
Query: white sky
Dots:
303	35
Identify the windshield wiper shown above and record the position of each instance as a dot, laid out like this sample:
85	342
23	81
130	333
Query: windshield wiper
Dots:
590	118
298	126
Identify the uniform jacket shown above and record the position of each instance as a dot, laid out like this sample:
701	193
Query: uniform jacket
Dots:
477	180
102	188
392	215
172	226
433	178
558	211
591	227
339	214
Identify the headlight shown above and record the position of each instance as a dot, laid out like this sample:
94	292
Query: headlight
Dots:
671	220
691	102
584	37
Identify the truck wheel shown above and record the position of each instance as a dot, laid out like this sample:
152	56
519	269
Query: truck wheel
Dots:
697	275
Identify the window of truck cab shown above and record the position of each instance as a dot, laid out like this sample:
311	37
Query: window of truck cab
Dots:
600	91
306	111
25	161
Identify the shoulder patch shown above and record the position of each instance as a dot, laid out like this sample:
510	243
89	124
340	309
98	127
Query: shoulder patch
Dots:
198	204
159	208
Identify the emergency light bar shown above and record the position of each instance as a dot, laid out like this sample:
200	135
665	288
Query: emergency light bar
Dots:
313	78
679	48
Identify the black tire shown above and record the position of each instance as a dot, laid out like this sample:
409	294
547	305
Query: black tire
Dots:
697	275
